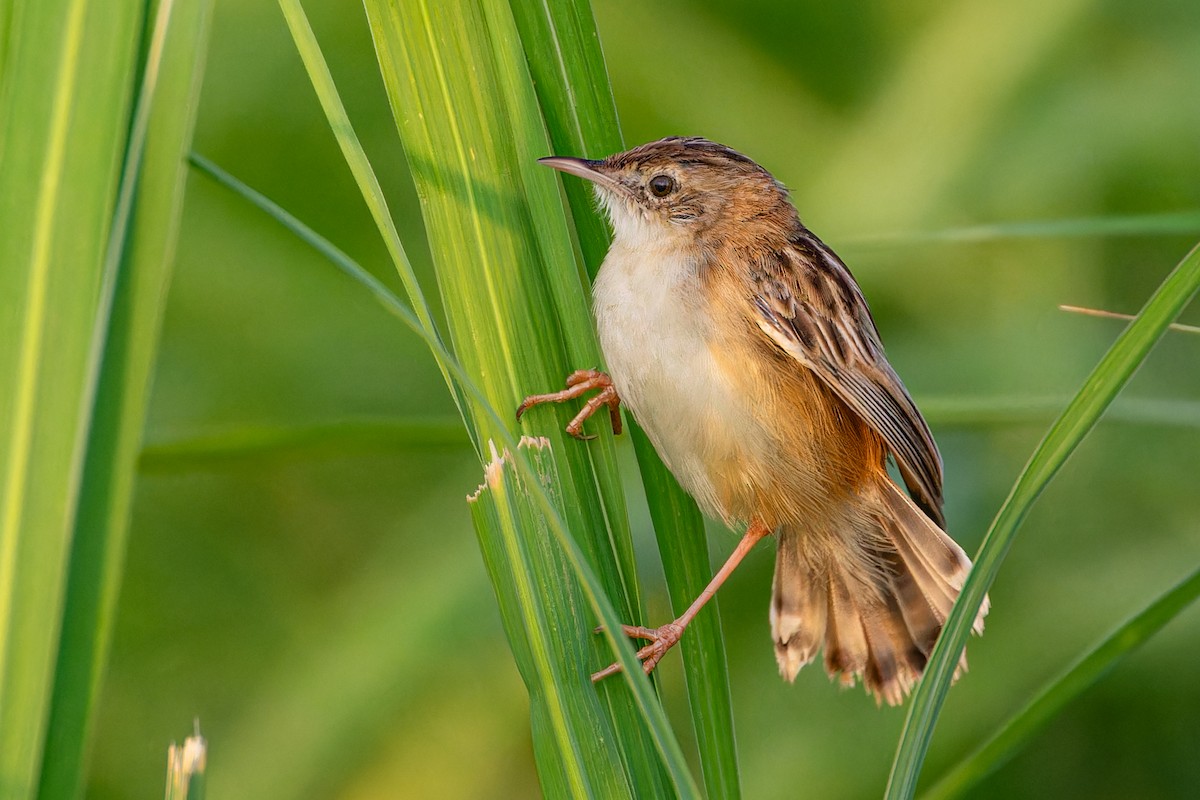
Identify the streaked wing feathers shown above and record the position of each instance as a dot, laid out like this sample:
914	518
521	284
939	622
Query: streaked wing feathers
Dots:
808	304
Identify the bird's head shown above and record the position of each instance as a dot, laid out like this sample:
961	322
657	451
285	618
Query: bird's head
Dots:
681	188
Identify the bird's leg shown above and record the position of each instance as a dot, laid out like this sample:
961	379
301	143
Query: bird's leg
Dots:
579	382
664	638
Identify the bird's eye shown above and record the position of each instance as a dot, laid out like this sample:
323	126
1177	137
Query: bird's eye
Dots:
662	185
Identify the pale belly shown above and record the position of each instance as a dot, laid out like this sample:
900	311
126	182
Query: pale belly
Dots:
660	344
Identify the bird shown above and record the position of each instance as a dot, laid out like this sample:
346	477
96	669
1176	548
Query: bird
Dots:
745	349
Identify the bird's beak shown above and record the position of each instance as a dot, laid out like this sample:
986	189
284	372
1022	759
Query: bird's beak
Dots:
584	168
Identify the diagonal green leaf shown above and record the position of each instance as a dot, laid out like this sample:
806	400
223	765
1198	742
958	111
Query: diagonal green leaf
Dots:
364	176
1020	729
647	703
1079	417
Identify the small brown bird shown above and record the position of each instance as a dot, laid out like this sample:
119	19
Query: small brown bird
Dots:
745	349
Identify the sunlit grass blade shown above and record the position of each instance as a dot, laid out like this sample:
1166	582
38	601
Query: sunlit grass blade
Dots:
69	69
140	254
562	47
186	768
646	702
563	50
682	547
1020	730
1080	416
565	709
468	116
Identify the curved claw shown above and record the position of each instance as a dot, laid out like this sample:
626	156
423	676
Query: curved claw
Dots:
611	669
582	375
638	632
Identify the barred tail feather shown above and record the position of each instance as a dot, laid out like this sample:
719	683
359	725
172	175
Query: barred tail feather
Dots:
799	604
875	596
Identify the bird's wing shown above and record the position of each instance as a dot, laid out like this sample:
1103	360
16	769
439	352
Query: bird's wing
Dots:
808	304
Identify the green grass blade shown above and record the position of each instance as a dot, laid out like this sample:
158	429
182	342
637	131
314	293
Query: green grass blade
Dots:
984	412
69	69
646	702
1166	224
682	546
126	333
1019	730
562	47
467	113
364	174
1080	416
565	709
563	50
333	438
348	266
6	13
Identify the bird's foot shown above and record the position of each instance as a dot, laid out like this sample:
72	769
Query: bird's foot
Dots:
661	640
578	383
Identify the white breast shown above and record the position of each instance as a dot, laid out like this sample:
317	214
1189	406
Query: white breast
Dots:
655	332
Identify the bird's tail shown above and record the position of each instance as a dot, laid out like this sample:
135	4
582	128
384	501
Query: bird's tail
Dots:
875	591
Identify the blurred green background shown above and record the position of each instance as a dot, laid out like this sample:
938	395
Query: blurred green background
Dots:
322	608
